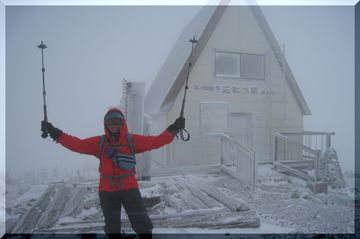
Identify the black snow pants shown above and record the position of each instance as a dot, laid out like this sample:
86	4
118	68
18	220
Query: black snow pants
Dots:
111	204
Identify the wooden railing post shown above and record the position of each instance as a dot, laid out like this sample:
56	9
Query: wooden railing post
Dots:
254	182
328	141
276	148
221	151
317	165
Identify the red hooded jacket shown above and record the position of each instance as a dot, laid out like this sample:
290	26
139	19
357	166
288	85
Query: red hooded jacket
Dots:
90	146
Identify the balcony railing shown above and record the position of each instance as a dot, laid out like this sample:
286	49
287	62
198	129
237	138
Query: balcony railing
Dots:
301	153
237	160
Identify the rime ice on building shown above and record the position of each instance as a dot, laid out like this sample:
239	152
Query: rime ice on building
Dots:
132	103
242	102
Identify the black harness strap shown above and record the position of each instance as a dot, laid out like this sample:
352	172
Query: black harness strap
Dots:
113	178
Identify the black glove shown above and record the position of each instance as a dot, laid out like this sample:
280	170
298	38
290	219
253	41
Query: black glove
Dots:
177	125
47	127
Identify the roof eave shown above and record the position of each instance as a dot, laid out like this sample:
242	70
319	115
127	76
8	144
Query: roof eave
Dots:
201	42
274	45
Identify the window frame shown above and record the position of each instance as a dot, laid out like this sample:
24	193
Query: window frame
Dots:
240	56
227	76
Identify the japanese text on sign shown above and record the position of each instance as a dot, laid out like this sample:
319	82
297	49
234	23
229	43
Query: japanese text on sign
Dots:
227	89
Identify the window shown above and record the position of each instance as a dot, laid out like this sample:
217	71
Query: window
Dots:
252	66
239	65
227	65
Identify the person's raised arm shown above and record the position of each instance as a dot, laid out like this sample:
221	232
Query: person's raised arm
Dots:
84	146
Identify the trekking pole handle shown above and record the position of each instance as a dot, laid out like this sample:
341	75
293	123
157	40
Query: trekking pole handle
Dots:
44	134
184	136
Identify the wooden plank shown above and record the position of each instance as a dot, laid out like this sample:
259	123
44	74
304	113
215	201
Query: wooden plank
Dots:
30	220
297	161
174	202
188	197
210	220
204	198
154	217
187	169
293	171
297	164
75	201
247	219
308	133
233	204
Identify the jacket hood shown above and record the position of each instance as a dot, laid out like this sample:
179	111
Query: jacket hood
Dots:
115	112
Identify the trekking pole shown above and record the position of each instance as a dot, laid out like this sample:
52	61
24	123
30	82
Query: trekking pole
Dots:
42	46
186	136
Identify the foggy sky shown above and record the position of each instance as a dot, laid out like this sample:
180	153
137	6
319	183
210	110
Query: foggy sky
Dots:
91	49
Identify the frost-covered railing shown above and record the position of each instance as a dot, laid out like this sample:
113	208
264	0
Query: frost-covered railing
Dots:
206	153
312	139
237	160
200	154
301	153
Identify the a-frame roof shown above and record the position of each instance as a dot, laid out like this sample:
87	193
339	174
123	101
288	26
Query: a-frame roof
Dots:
172	75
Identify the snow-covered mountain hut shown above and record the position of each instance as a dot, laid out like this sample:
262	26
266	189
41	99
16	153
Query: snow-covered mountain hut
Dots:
241	93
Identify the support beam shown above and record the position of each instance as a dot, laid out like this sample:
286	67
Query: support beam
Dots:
294	171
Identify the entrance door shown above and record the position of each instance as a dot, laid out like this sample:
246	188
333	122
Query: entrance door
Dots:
241	128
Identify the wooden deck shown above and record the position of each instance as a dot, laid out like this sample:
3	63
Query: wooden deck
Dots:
194	203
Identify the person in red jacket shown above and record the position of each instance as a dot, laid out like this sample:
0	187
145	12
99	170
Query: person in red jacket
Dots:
117	184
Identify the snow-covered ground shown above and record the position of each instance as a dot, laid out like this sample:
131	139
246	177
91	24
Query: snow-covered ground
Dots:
282	203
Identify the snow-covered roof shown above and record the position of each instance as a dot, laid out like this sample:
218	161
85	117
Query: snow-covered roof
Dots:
172	75
169	79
